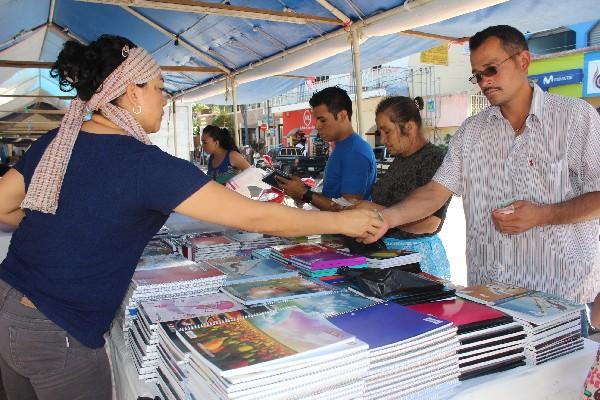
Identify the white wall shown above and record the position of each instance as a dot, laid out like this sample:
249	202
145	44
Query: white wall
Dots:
449	79
175	134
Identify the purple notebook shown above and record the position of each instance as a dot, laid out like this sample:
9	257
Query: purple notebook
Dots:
328	260
387	323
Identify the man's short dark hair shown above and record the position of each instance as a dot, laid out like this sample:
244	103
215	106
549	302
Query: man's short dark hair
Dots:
512	39
335	98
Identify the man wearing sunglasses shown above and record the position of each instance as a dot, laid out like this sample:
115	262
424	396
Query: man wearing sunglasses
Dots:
528	169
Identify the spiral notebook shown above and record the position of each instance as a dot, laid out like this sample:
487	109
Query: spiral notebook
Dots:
273	290
189	307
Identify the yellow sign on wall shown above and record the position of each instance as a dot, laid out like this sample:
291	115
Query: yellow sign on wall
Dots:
437	55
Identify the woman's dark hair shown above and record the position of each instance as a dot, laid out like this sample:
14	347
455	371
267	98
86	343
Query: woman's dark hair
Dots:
222	135
84	68
402	109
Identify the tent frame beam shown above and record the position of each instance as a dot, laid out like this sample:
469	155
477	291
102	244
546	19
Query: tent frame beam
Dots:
414	5
424	35
38	96
48	64
34	111
175	37
336	12
223	9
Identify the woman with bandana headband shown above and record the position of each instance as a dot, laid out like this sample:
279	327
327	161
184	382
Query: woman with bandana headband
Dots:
85	200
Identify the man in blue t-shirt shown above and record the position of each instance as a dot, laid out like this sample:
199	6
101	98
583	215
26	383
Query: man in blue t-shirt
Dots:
351	169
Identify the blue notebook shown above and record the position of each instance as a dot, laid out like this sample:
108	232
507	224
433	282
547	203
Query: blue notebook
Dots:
387	323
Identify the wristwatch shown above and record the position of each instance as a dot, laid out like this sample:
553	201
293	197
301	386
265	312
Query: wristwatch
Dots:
307	196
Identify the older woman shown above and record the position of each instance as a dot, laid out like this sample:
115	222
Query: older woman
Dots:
416	160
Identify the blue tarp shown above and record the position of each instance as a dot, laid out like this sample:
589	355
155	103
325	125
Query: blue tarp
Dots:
238	43
234	42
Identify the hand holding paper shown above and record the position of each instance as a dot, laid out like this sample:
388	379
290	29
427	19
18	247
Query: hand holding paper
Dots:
517	217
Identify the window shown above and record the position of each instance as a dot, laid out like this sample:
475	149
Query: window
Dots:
594	36
552	41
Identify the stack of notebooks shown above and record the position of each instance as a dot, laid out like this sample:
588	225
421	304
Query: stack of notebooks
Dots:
162	261
391	258
245	269
261	253
151	259
553	325
490	341
316	260
491	294
205	246
158	246
252	240
274	290
282	253
287	354
144	334
325	265
412	355
172	282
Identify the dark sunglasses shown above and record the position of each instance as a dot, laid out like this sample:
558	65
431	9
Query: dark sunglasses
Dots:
489	71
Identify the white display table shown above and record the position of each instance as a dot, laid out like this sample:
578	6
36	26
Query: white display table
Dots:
560	379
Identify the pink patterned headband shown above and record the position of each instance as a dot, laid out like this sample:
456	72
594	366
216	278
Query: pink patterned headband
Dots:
44	190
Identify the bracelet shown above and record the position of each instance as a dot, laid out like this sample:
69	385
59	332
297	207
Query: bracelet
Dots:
307	196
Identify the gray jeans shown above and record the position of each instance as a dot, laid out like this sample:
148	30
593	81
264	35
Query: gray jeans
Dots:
39	360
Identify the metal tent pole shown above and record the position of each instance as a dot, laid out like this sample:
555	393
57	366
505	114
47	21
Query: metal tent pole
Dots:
355	35
174	111
236	130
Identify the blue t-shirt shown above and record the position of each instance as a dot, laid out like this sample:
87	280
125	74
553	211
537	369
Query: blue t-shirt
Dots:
223	172
76	265
351	169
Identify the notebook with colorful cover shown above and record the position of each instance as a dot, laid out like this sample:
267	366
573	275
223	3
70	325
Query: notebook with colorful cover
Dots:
163	276
277	290
329	304
187	324
249	183
189	307
539	308
261	339
208	239
328	260
385	324
466	315
386	254
162	261
491	293
288	250
240	270
243	236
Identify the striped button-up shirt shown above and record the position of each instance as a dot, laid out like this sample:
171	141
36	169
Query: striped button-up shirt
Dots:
556	158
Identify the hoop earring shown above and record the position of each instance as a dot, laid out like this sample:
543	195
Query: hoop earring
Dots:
136	112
